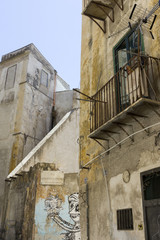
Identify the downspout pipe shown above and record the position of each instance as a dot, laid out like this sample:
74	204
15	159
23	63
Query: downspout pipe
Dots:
54	100
54	89
87	200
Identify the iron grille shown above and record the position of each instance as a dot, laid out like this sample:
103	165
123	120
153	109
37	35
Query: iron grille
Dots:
125	219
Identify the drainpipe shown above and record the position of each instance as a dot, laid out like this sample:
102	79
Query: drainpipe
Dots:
87	200
54	100
54	90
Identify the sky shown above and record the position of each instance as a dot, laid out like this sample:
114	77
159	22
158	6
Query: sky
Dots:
54	27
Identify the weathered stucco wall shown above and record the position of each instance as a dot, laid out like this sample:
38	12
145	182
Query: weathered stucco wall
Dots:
8	109
25	105
38	103
104	198
60	146
64	102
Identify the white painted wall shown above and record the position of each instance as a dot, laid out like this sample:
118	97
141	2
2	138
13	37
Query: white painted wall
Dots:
59	147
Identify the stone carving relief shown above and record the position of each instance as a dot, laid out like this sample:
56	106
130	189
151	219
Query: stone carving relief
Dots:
53	206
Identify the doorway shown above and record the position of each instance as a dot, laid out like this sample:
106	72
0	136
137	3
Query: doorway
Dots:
151	203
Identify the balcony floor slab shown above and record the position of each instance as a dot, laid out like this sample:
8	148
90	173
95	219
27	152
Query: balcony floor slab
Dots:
139	109
99	9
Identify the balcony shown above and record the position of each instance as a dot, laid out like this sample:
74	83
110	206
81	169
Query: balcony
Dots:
129	93
100	10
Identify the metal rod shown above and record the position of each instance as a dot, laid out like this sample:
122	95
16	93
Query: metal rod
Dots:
153	22
135	5
92	99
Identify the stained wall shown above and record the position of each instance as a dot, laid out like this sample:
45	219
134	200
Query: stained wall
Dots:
106	190
34	201
26	105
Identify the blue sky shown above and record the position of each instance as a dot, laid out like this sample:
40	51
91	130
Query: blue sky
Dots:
53	26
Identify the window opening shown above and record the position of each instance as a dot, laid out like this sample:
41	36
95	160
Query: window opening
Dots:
150	183
44	78
125	219
124	52
10	77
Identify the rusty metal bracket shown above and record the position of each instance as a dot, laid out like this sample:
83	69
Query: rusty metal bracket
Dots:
101	138
137	115
100	144
151	107
146	130
104	24
102	6
123	124
120	6
124	130
106	132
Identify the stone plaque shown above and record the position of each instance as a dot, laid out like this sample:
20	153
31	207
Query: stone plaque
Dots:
52	178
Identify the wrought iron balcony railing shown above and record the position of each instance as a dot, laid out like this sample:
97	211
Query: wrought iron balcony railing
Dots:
137	79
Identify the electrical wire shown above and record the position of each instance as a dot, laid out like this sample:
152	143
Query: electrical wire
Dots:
119	143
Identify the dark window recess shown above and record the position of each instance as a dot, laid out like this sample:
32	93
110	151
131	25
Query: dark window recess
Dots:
44	78
127	49
124	51
150	183
10	77
125	219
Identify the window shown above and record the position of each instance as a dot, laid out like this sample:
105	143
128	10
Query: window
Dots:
150	183
125	219
126	49
125	58
44	78
10	77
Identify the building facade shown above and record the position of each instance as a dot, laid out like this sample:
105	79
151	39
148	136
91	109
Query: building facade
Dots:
28	110
42	192
120	120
